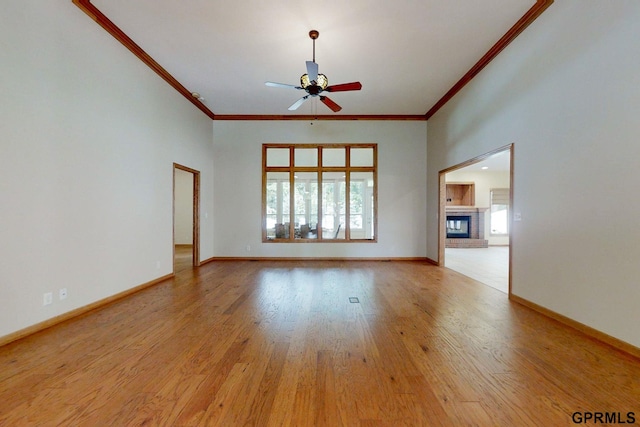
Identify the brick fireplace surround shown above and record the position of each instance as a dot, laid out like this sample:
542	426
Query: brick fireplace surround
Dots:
476	233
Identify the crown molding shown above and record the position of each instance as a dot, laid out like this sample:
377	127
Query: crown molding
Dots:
532	14
302	117
87	7
526	20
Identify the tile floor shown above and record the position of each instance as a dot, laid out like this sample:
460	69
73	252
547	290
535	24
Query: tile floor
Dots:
487	265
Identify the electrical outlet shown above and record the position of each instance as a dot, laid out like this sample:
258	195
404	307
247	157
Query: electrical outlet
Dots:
248	248
62	294
157	265
517	216
47	298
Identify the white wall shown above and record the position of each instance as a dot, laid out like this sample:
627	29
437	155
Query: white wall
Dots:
484	181
401	189
567	93
88	138
183	207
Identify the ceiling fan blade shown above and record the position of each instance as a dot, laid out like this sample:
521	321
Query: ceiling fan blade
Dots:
312	71
298	103
329	103
344	87
272	84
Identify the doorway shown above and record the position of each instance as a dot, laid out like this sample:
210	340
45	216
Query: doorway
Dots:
186	218
485	254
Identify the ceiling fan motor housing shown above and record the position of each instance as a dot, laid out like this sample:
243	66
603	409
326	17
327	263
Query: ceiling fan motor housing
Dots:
314	90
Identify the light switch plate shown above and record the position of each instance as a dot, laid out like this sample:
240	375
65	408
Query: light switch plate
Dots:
47	298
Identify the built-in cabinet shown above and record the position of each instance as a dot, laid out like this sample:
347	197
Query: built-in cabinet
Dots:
461	194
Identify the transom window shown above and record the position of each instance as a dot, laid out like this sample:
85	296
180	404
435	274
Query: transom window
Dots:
319	192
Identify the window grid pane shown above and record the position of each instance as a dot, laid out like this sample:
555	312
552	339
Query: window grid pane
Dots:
277	205
277	157
333	157
306	205
361	212
361	157
306	157
333	205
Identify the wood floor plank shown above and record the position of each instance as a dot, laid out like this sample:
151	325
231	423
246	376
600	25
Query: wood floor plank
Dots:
280	344
327	411
166	406
261	408
304	410
207	390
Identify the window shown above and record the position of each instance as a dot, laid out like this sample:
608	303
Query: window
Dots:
499	211
319	193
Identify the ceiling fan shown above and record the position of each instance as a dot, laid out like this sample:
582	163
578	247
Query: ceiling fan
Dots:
315	84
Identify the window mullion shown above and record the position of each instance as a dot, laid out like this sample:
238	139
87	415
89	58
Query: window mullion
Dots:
320	194
292	193
279	202
347	196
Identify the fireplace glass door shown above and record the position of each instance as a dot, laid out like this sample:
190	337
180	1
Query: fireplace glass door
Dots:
458	227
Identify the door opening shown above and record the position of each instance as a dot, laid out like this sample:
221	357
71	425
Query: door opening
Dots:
483	251
186	219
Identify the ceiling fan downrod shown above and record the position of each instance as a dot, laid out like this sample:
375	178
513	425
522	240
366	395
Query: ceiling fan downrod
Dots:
314	34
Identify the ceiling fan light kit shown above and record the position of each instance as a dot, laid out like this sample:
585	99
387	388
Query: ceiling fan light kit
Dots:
315	83
321	82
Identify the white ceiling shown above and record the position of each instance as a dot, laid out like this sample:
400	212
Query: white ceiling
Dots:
499	162
407	54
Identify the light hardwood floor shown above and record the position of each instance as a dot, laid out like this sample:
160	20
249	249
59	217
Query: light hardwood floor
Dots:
182	258
486	265
280	344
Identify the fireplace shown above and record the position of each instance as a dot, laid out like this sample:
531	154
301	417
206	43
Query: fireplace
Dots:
465	227
458	227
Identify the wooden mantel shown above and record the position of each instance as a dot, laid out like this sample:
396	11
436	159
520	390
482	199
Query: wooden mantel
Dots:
465	209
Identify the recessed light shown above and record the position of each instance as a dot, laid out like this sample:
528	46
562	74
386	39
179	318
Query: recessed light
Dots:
484	168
